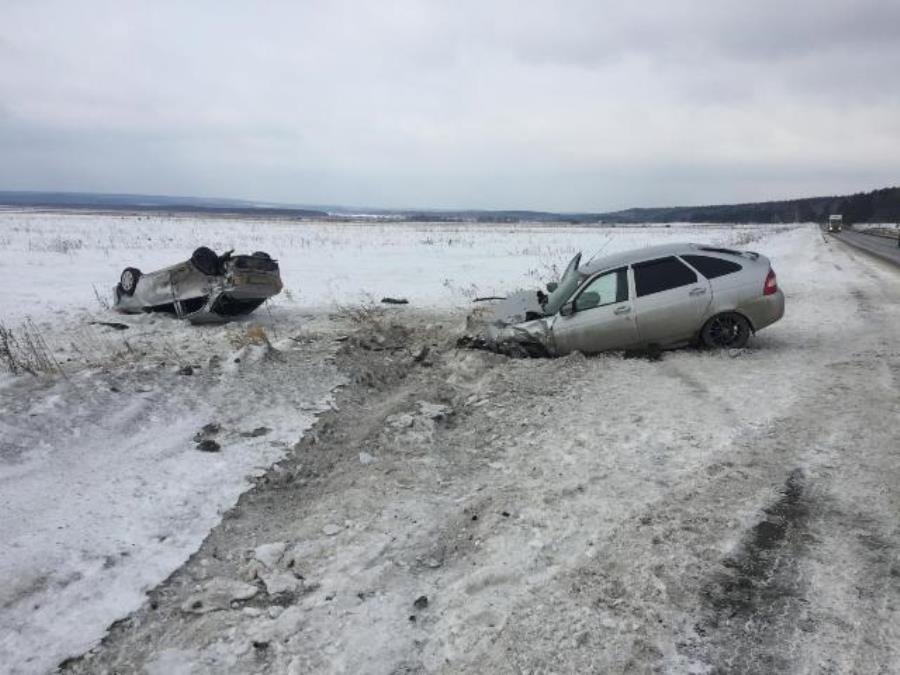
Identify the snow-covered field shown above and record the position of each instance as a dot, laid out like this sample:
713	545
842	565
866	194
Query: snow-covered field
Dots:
55	261
104	495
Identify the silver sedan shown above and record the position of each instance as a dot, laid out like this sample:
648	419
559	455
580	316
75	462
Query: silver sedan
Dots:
657	297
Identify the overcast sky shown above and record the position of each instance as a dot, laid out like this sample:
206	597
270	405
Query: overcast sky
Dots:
554	105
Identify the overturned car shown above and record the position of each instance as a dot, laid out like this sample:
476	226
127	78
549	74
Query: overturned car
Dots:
659	297
206	288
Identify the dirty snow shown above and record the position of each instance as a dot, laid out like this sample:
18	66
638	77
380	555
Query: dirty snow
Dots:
497	490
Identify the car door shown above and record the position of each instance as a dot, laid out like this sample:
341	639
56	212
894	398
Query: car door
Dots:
599	316
190	288
670	301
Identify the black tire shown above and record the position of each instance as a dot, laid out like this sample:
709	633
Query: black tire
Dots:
726	331
261	254
206	260
129	280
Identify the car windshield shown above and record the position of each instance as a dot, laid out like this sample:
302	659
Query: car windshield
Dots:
567	285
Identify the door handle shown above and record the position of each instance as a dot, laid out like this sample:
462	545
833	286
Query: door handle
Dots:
697	291
622	310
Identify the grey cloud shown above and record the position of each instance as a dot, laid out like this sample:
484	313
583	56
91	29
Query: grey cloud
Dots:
539	104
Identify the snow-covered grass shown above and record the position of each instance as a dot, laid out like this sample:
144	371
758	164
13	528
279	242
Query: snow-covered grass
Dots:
102	491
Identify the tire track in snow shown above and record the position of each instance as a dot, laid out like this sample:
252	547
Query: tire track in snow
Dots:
768	613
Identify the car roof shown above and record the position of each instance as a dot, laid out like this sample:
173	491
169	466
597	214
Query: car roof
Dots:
648	253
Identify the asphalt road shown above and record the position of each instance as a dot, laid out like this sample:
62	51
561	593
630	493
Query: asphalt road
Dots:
884	248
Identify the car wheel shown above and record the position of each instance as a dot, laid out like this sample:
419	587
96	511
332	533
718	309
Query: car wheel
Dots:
129	280
726	331
206	260
261	254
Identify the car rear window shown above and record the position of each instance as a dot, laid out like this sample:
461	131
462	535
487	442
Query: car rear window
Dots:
662	274
712	267
726	251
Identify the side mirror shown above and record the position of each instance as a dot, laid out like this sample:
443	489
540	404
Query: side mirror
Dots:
587	300
552	286
567	309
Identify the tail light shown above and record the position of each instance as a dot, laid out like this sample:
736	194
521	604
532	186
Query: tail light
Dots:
771	283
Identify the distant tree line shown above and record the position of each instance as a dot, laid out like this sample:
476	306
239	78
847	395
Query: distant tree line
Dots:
878	206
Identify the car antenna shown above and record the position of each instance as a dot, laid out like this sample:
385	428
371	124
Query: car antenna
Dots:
602	248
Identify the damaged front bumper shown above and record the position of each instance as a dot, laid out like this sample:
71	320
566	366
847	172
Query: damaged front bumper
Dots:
515	326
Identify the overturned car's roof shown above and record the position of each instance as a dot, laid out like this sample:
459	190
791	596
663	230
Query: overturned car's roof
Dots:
647	253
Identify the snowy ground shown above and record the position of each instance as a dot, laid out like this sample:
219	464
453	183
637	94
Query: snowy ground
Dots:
704	512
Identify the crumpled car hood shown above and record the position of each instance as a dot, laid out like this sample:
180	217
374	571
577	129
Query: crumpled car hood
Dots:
515	308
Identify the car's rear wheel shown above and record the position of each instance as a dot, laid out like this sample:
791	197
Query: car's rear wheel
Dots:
129	280
206	260
726	331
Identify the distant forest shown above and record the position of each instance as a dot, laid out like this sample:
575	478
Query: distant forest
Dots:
878	206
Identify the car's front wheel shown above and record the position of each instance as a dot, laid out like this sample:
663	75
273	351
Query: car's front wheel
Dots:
129	280
726	331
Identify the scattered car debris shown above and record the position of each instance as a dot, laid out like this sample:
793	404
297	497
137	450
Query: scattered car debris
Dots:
421	602
208	445
206	288
659	297
395	301
186	370
111	324
208	430
256	433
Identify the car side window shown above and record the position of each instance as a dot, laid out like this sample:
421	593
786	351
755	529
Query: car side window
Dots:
712	267
606	289
662	274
